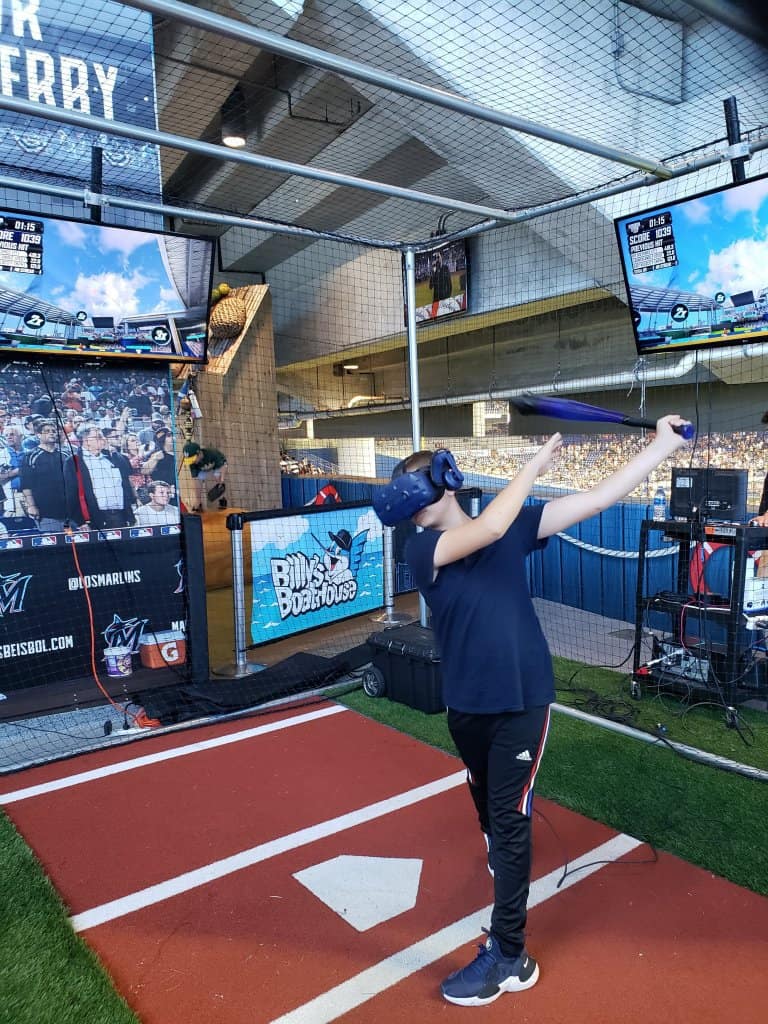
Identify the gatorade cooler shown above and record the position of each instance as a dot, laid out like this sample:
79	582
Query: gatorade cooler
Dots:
163	650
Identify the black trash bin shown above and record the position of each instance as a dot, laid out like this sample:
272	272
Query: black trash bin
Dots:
406	668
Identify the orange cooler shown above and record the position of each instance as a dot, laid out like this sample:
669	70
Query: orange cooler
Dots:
163	650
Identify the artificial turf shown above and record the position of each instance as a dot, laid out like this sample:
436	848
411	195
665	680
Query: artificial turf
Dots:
48	975
705	815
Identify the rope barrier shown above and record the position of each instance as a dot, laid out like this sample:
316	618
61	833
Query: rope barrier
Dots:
672	549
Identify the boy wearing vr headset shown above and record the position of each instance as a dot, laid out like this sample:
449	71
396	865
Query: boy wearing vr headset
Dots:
495	663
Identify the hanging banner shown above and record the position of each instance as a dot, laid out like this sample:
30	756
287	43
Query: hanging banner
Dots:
313	568
93	57
51	603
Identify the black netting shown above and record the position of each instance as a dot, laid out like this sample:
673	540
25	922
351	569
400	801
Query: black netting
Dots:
307	393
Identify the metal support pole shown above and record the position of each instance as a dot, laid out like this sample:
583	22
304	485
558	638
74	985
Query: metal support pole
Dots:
389	617
413	354
87	198
701	756
214	22
413	373
97	179
241	667
734	137
209	217
243	156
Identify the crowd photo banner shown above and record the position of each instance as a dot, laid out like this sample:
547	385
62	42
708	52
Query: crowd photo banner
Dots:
314	567
87	449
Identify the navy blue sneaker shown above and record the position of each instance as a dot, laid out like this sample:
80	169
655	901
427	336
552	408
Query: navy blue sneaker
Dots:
490	974
489	848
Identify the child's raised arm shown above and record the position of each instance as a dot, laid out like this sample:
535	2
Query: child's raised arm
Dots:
493	522
561	513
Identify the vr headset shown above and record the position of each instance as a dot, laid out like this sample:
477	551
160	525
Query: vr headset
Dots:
408	493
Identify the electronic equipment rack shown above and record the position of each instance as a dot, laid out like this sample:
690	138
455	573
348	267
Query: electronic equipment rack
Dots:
708	628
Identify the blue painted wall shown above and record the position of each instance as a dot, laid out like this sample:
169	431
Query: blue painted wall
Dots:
595	581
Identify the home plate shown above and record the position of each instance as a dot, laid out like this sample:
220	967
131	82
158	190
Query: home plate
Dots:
364	891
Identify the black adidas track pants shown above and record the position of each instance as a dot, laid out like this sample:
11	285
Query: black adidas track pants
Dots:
502	753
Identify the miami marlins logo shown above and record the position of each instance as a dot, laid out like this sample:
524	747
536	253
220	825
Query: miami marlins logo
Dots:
179	567
13	589
124	632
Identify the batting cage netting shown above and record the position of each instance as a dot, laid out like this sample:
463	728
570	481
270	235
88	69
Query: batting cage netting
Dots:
521	201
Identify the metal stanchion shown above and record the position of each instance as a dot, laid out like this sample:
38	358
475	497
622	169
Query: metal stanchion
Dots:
389	617
241	667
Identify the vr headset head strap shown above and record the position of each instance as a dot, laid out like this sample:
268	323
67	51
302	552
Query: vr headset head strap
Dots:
412	489
444	472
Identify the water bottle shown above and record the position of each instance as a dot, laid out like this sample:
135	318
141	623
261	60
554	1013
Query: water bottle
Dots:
659	505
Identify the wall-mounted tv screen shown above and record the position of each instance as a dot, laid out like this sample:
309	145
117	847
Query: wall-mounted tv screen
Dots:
441	281
78	288
696	269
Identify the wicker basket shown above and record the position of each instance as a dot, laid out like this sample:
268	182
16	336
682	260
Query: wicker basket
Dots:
228	317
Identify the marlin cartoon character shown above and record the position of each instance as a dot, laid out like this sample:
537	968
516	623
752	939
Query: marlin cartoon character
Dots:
124	632
343	557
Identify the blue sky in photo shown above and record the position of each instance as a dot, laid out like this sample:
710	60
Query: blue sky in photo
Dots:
105	271
721	241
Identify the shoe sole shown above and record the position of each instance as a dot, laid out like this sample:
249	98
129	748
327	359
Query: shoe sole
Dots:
510	985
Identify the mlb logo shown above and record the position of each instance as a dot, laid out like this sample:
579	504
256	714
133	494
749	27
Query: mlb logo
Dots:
7	544
44	542
169	531
110	535
78	538
142	532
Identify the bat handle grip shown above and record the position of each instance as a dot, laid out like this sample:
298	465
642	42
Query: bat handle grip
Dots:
686	430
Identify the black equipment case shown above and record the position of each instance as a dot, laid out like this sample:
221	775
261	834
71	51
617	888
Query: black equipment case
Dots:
405	668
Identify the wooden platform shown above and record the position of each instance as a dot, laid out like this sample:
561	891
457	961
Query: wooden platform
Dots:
217	548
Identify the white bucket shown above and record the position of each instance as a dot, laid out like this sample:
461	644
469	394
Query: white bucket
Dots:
118	661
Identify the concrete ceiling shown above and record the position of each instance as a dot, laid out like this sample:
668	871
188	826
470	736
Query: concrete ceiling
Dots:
648	77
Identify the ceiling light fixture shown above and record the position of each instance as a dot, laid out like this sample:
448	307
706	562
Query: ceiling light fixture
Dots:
233	127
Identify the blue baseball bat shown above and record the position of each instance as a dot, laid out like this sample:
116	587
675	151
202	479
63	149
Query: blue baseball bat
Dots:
566	409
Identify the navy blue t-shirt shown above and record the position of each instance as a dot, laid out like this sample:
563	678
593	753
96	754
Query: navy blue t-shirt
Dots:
494	656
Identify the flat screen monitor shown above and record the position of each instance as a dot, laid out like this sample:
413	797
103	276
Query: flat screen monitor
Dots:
74	288
701	494
696	270
441	281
